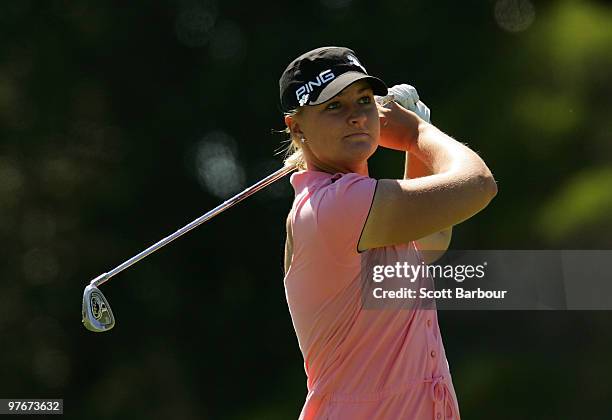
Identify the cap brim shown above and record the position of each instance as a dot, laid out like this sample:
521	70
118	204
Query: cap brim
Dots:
344	80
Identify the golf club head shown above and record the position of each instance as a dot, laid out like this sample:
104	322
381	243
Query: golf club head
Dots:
97	314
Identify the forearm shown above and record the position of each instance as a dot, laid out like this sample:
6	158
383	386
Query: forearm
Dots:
433	246
438	241
415	168
440	153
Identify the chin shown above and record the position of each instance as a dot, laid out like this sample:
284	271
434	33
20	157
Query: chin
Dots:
360	152
361	146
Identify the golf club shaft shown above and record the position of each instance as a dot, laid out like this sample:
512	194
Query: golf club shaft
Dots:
103	278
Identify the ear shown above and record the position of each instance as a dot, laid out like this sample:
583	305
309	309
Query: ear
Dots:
294	127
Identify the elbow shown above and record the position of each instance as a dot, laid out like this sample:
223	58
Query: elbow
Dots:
491	187
486	182
482	183
483	187
488	187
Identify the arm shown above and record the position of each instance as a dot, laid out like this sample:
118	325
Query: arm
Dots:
437	243
405	210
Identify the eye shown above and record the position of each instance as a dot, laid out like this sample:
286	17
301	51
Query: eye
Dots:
365	99
333	105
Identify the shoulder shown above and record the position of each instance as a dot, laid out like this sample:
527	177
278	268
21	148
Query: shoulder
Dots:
348	194
349	187
319	192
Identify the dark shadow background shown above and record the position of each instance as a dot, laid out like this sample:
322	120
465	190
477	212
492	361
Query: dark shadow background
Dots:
121	122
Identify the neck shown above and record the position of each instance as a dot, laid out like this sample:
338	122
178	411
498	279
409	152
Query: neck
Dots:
361	168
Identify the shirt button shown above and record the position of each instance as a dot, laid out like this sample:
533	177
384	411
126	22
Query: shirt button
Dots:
429	322
433	353
439	416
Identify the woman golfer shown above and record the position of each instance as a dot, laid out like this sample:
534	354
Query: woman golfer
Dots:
366	362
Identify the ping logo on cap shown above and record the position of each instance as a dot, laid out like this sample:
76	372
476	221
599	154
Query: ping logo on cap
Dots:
302	93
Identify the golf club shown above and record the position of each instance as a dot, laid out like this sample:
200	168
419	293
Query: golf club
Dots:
96	312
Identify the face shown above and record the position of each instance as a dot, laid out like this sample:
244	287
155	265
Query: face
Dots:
340	134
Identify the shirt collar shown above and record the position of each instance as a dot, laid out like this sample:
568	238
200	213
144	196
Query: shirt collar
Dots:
312	179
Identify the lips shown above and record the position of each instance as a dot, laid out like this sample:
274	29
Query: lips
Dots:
357	135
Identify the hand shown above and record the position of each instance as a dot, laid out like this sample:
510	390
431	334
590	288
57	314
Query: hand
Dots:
408	97
399	127
391	136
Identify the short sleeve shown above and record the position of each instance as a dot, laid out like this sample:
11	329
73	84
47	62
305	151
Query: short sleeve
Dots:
342	210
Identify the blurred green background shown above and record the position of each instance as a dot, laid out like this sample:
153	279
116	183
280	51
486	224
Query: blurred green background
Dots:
121	122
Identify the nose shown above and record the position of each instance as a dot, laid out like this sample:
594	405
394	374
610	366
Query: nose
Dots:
358	117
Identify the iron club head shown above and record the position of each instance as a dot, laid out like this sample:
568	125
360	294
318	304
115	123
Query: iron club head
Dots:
97	314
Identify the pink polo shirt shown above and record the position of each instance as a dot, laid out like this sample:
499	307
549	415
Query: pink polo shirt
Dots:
361	363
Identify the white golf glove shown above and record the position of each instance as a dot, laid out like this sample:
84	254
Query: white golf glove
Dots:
407	96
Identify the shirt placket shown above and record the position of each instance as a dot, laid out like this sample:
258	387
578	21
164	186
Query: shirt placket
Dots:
439	392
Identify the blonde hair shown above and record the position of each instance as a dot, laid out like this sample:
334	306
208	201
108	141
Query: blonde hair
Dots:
294	156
